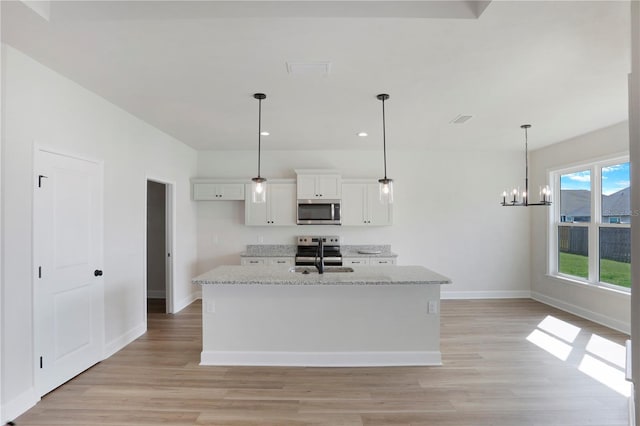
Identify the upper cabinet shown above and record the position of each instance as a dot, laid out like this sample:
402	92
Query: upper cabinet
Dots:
211	190
361	206
279	210
319	183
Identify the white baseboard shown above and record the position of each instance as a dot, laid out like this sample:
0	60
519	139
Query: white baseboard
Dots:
503	294
19	405
122	341
156	294
321	359
621	326
181	304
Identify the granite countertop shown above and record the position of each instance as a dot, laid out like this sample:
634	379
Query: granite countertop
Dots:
270	250
281	275
370	250
289	250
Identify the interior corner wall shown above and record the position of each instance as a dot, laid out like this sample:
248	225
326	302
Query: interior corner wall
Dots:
45	108
604	306
447	215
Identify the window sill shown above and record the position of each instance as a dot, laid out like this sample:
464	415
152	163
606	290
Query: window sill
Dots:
592	286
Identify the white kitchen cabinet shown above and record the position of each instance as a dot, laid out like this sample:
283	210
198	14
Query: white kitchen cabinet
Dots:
368	261
361	206
327	186
252	261
284	261
279	210
218	191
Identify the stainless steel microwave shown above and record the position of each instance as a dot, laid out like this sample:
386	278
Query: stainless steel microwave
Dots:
319	212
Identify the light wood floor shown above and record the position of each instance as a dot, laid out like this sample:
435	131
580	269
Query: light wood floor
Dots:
492	375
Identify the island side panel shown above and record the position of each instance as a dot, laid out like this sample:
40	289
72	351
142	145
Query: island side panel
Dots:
321	325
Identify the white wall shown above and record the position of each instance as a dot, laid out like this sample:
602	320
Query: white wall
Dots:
45	108
446	213
601	305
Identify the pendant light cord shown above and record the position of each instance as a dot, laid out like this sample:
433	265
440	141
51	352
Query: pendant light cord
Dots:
526	166
259	131
384	141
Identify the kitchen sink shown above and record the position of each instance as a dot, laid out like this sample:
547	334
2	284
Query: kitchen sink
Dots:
314	270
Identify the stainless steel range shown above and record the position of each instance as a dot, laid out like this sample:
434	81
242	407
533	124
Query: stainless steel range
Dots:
313	248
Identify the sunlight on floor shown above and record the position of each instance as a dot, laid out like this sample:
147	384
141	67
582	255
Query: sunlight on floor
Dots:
554	346
603	361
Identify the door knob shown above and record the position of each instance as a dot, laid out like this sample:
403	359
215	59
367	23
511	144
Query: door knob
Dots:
97	273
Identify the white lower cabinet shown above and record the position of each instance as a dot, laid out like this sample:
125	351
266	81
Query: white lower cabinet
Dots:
368	261
361	206
279	210
284	261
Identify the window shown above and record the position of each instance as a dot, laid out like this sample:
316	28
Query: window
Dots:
591	231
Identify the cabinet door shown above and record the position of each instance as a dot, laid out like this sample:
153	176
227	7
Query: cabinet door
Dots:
306	186
353	207
252	261
255	214
230	191
283	261
355	261
378	213
382	261
281	198
205	191
329	186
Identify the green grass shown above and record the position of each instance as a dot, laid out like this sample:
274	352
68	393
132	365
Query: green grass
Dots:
612	272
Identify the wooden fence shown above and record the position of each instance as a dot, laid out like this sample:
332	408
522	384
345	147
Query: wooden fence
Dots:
615	243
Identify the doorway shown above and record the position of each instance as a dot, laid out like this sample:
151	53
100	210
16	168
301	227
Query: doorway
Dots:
159	247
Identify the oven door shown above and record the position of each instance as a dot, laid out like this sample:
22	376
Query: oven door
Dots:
318	212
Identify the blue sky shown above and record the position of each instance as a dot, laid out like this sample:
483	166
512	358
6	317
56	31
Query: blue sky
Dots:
614	178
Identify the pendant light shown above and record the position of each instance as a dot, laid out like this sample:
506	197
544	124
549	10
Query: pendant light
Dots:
521	199
259	184
386	184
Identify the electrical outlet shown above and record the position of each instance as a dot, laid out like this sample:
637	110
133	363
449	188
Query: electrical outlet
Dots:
432	307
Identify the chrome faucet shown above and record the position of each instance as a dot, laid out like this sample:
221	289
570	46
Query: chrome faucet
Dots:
320	253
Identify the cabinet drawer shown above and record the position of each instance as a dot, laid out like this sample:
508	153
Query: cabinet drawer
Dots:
284	261
355	261
252	261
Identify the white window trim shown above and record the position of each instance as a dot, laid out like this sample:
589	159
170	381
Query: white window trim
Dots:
595	168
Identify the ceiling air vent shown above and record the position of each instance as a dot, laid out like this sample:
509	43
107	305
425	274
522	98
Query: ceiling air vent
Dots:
319	69
460	119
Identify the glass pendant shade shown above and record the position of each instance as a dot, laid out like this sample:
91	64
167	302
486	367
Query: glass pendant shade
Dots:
386	190
259	184
259	190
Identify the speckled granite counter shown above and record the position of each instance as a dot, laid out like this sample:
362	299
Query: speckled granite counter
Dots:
369	250
269	250
362	275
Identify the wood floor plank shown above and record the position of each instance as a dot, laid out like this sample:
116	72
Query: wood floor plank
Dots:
494	373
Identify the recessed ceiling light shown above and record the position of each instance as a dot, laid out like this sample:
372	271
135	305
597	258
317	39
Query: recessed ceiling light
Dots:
363	134
264	133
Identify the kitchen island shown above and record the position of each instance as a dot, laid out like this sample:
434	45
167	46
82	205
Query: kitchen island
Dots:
269	315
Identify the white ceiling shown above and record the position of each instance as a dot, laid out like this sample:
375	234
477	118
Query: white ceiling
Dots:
191	68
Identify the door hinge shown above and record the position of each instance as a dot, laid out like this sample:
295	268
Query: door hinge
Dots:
39	271
40	362
40	177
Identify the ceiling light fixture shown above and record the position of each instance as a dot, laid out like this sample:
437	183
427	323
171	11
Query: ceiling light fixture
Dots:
521	199
386	184
259	184
363	134
265	133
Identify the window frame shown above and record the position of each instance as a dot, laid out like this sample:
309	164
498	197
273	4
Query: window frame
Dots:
593	226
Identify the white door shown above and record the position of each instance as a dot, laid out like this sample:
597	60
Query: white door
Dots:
68	284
